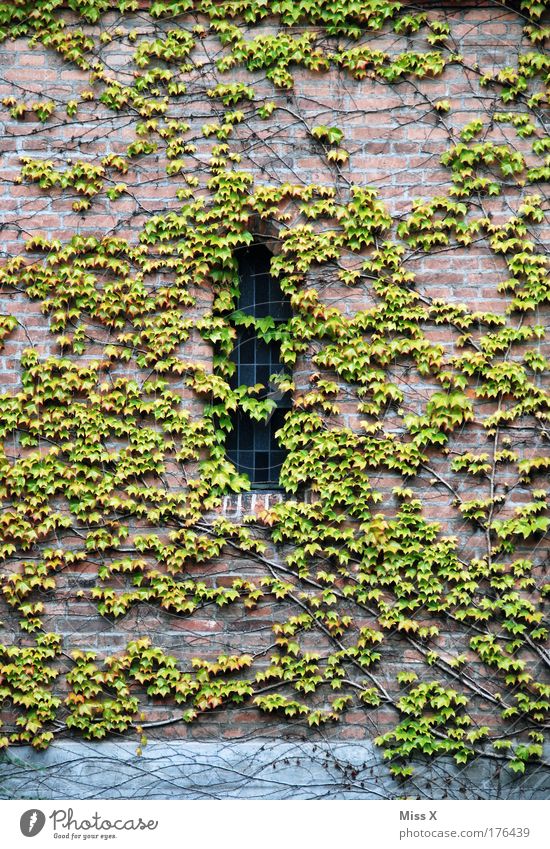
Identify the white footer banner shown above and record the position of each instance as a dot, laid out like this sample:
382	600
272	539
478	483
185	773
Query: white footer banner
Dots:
276	824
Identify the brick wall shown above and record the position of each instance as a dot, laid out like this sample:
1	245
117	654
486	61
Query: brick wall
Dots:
395	140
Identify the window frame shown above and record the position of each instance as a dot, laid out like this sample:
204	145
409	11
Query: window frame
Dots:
255	361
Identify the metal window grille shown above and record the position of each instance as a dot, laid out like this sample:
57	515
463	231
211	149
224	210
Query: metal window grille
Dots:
253	446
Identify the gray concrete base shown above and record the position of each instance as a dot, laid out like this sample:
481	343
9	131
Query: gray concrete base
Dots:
253	769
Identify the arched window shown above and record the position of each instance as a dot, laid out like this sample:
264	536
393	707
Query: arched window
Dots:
252	446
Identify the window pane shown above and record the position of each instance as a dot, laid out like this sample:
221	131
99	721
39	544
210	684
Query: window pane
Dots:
252	445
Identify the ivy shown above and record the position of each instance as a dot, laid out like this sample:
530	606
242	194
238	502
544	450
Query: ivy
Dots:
402	400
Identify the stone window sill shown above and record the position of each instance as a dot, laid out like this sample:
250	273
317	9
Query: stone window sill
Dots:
241	504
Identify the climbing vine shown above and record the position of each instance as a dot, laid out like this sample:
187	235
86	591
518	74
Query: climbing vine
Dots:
114	462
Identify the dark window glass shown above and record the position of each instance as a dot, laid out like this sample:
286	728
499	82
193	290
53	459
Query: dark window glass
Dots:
252	445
